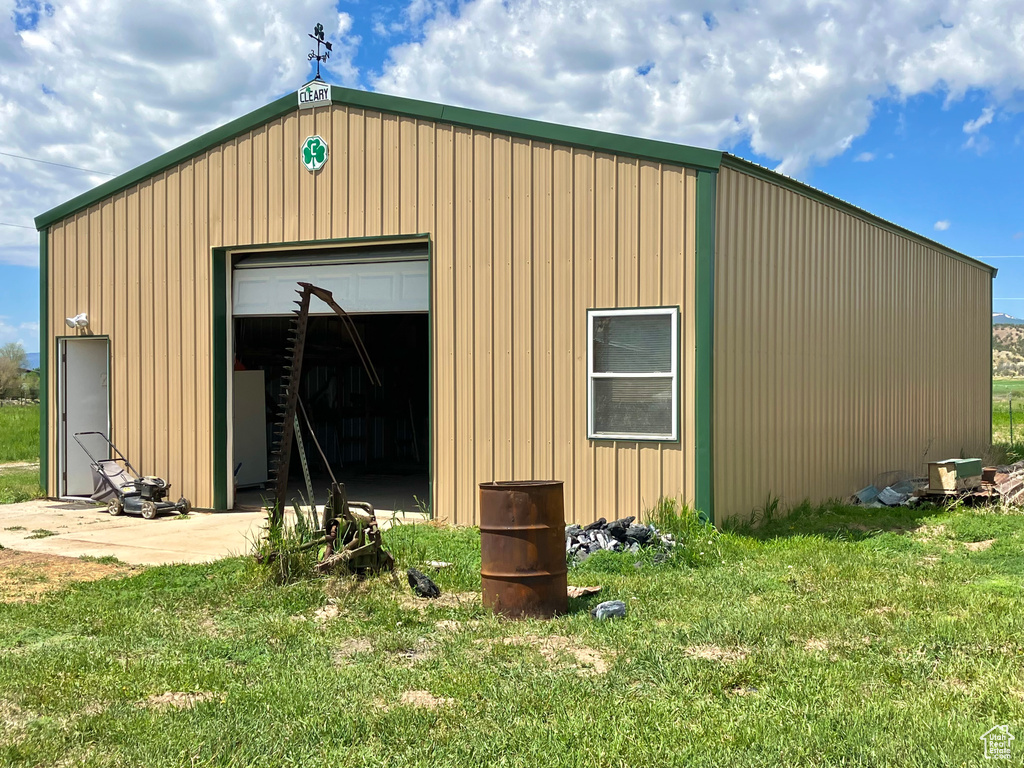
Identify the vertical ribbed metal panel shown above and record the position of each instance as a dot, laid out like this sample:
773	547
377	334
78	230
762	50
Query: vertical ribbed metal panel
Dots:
526	237
843	350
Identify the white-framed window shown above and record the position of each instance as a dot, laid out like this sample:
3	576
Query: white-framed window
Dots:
633	374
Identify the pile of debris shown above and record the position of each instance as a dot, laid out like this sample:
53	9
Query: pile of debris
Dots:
964	480
899	494
1008	482
617	536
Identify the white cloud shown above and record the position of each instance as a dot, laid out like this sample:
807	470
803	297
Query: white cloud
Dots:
985	118
972	127
109	84
864	157
798	79
942	225
26	334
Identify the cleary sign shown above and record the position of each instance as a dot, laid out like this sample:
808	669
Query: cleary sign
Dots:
314	94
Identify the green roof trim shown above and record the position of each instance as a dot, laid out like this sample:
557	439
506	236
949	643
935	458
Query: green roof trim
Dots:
773	177
647	149
583	138
613	143
244	124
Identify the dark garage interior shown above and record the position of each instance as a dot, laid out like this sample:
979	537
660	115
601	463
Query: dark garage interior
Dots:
376	438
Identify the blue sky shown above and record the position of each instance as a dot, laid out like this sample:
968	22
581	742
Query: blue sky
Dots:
911	110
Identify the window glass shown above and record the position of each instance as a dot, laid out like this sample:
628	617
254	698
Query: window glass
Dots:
633	344
633	406
633	388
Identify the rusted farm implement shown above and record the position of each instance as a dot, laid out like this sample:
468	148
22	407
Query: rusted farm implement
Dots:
348	536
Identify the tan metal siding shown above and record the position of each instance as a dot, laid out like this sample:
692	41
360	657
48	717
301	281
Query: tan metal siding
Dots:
842	350
526	236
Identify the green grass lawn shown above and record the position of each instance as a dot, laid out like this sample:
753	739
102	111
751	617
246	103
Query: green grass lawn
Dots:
19	442
19	433
1002	391
830	638
18	485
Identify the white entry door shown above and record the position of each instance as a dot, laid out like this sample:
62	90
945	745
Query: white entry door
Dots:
84	407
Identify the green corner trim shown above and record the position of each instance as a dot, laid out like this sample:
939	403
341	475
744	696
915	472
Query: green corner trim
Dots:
220	379
991	373
766	174
44	359
704	492
430	377
660	151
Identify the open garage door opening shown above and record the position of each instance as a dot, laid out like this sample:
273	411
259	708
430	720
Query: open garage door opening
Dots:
375	438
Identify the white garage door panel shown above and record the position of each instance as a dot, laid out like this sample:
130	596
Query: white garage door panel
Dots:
378	286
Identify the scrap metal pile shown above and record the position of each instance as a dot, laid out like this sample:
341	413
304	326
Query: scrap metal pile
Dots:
964	480
617	536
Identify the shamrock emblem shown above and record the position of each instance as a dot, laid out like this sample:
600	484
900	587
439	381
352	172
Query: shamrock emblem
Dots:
314	153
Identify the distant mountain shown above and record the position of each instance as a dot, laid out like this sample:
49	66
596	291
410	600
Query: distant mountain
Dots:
1001	318
32	360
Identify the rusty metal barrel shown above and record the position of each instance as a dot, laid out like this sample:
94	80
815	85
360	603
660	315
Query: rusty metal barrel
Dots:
522	548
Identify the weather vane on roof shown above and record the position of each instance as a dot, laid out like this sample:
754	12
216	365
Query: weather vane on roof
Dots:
318	35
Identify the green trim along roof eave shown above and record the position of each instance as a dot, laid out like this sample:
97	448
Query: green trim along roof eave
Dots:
554	133
704	311
773	177
265	114
631	146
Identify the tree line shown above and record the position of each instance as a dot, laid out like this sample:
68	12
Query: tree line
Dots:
15	382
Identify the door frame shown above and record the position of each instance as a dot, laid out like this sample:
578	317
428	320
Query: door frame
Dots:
62	440
222	267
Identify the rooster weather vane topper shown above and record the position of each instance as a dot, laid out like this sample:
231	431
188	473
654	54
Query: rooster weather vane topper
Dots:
318	35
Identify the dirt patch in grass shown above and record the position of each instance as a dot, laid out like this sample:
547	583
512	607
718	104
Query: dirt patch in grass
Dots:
178	699
741	690
563	652
816	645
27	576
326	613
446	600
717	653
929	533
450	625
13	717
424	700
94	708
343	654
409	655
15	465
979	546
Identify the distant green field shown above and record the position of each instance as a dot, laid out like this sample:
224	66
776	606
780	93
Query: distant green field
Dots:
19	433
1003	388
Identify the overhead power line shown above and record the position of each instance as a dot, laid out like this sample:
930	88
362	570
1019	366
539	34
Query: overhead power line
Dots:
59	165
19	226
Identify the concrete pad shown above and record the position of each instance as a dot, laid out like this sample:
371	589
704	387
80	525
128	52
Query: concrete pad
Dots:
81	529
